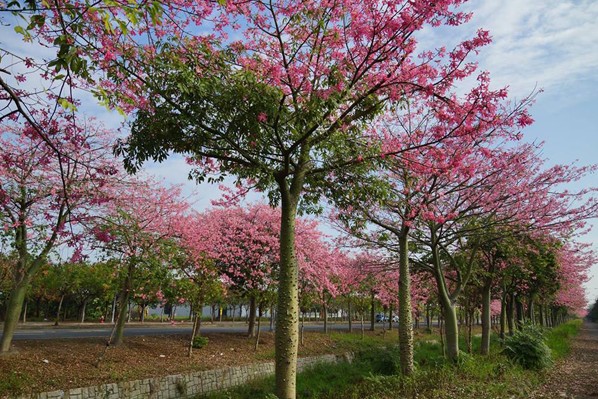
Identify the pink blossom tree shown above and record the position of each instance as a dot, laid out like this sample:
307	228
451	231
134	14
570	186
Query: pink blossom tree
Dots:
243	244
450	150
46	199
283	103
138	228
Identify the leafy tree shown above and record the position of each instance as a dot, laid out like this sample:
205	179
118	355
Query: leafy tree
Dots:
91	282
288	119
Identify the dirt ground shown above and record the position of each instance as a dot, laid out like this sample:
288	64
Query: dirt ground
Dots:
39	366
576	376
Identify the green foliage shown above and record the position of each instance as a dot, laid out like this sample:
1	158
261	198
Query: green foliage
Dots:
528	349
380	361
13	383
374	373
354	342
474	377
320	381
326	381
558	338
200	342
428	354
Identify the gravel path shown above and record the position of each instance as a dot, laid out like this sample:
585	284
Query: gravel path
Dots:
577	375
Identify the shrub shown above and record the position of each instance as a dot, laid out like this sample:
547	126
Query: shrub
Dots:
528	349
381	361
200	342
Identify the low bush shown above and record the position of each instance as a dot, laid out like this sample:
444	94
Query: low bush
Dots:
200	342
527	348
380	361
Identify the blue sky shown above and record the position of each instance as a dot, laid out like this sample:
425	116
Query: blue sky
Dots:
553	45
548	44
537	44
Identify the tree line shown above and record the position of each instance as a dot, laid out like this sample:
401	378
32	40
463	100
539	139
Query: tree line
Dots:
326	108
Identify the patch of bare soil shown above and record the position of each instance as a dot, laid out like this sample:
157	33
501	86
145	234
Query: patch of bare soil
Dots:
576	376
39	366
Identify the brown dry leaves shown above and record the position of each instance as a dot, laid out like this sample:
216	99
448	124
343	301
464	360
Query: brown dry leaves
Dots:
576	376
47	365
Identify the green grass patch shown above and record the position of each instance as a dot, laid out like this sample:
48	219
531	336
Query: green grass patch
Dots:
13	383
354	341
321	381
559	338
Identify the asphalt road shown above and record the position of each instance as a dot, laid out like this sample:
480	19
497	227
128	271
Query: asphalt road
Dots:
40	332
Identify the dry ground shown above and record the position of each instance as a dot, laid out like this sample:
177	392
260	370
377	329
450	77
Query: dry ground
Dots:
576	376
38	366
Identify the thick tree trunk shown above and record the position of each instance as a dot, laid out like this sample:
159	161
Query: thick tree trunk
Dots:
541	315
390	317
123	305
372	311
251	320
325	309
271	317
503	315
530	310
13	313
197	324
441	332
287	313
405	321
451	326
486	320
25	312
84	307
143	308
510	314
519	312
350	315
57	320
428	321
113	315
193	332
257	335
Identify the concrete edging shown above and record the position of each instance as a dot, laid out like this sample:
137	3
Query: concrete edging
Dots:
187	385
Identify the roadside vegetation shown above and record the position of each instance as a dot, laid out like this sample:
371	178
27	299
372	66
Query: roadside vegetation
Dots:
375	371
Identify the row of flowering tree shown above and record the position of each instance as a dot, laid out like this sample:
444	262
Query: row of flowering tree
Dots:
283	103
305	100
459	210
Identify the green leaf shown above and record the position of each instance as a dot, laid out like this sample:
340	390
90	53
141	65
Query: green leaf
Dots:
66	104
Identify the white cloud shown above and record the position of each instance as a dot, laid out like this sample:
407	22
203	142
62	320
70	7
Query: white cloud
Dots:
551	43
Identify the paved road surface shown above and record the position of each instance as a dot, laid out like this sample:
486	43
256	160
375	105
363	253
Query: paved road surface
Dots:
46	331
